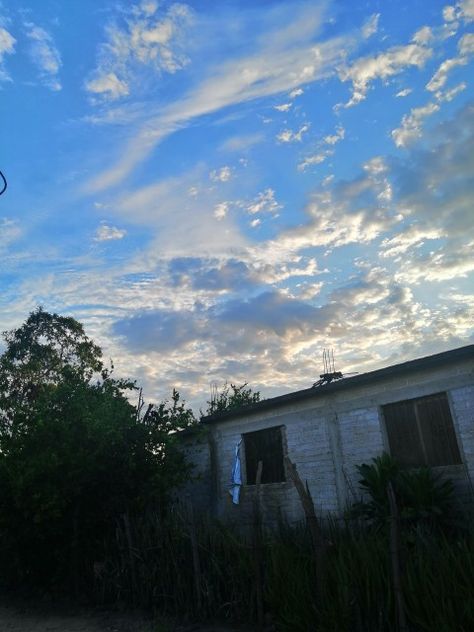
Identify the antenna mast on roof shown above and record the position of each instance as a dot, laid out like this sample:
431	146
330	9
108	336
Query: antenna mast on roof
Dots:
330	374
213	389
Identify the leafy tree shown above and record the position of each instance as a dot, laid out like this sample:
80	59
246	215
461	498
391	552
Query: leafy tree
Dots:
75	453
232	396
41	353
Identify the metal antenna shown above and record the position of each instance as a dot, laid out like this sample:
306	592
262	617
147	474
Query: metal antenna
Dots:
213	389
330	374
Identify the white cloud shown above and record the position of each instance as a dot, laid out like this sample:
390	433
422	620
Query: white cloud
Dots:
440	77
108	85
320	156
7	47
449	13
221	210
449	95
109	233
423	36
466	50
332	139
144	39
435	191
315	159
461	10
370	26
404	93
284	107
44	55
466	44
221	175
412	124
438	265
265	202
357	211
288	136
297	92
414	235
382	66
281	63
10	231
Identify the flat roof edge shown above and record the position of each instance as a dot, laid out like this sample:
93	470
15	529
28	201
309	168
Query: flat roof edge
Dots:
409	366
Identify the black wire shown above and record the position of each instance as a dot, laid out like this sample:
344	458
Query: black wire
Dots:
4	183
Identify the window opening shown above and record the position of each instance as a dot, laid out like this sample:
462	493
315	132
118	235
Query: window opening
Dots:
266	446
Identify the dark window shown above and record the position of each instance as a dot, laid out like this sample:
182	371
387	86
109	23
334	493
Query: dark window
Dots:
266	446
421	432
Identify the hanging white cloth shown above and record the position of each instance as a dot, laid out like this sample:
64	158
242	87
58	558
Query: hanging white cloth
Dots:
236	480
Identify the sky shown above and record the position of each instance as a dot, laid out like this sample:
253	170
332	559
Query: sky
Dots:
221	190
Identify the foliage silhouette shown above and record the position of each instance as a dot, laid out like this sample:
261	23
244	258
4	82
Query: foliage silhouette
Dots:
75	453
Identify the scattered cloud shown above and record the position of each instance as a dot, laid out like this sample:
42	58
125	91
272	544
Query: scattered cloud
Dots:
145	37
323	152
284	107
109	233
7	47
44	55
466	49
332	139
265	202
412	124
221	210
449	95
288	136
382	66
287	58
221	175
108	85
297	92
315	159
414	235
404	93
371	26
10	231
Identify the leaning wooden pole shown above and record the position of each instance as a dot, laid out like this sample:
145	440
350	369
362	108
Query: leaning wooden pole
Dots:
317	538
395	560
258	548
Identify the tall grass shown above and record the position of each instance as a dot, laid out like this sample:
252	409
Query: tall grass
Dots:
153	566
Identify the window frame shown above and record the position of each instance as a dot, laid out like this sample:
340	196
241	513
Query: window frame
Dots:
282	444
456	457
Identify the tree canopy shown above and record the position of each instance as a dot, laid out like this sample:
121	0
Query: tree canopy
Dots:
75	453
232	396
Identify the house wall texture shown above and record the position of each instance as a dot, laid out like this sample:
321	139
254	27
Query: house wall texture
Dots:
326	437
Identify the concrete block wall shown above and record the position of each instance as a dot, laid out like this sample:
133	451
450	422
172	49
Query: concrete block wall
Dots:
198	489
327	437
361	440
461	401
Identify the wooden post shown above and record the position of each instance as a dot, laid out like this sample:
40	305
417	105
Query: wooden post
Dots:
317	538
258	548
395	560
196	560
131	556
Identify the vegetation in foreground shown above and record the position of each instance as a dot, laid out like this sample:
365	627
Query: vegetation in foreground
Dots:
85	483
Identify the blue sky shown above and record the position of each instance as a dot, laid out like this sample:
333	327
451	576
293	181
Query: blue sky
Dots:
219	191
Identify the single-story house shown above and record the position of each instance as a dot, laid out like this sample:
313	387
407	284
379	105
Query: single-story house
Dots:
421	412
